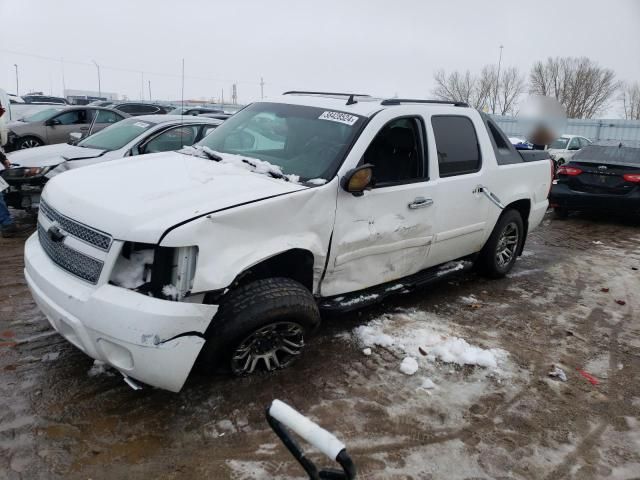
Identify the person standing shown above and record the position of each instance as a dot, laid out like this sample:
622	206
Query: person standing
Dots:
8	228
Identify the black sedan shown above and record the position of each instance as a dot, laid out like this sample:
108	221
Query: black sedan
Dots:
599	177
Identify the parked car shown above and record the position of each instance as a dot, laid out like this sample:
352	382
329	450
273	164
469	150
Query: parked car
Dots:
130	137
599	177
194	110
103	103
562	149
227	250
137	108
53	125
44	99
219	116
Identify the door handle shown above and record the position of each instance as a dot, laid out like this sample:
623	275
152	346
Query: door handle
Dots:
490	195
420	202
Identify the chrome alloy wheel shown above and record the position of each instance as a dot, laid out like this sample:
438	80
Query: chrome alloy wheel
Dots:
273	346
507	245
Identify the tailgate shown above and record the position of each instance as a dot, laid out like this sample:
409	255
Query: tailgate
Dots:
601	178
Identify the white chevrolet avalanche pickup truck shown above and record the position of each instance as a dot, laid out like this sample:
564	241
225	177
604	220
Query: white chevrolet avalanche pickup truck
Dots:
226	252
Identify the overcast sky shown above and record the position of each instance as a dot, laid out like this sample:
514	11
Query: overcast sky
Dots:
380	47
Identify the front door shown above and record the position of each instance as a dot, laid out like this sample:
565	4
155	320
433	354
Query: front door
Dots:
384	234
70	121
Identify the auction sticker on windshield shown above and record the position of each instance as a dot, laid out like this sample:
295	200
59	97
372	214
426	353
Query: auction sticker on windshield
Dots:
339	117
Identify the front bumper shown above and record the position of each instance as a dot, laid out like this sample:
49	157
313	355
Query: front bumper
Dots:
151	340
562	196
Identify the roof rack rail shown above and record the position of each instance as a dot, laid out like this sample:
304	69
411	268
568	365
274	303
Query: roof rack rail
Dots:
335	94
398	101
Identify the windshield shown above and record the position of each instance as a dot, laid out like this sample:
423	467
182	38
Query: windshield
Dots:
305	141
42	115
116	136
559	143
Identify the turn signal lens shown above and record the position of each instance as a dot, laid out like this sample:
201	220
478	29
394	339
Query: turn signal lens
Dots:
571	171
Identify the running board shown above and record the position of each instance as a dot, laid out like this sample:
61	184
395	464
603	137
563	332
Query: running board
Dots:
370	296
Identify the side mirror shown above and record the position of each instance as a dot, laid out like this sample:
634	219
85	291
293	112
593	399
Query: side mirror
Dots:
358	180
52	122
74	138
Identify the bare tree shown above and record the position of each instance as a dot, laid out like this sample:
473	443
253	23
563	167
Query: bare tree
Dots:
580	85
511	86
478	90
630	98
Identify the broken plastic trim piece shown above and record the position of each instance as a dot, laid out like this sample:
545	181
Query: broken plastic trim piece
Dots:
132	383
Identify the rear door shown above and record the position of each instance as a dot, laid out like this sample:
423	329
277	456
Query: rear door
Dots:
103	119
385	233
461	210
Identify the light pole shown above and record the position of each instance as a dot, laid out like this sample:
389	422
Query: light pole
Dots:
17	84
99	86
495	92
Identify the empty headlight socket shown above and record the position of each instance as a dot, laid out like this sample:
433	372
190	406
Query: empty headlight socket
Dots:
161	271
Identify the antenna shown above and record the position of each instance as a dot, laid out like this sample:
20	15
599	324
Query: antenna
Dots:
182	106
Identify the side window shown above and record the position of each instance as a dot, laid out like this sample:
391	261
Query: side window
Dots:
74	117
584	142
172	139
396	153
207	129
145	109
457	145
127	108
104	116
573	144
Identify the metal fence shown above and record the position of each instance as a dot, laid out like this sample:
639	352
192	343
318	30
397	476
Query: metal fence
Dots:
627	131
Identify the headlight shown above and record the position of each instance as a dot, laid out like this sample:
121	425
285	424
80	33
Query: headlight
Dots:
163	272
25	172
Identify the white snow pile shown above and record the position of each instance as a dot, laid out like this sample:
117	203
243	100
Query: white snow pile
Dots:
132	272
317	181
250	164
409	366
99	368
425	336
172	292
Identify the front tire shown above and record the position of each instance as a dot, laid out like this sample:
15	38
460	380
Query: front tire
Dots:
261	326
28	142
501	250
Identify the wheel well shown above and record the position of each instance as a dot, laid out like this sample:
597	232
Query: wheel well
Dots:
523	207
296	264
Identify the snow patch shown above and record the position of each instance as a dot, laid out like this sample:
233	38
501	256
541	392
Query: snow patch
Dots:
417	332
317	181
250	164
360	299
98	368
409	366
172	292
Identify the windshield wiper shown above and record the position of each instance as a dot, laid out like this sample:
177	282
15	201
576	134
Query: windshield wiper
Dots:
211	154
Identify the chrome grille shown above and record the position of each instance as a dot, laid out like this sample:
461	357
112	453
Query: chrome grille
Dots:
79	264
89	235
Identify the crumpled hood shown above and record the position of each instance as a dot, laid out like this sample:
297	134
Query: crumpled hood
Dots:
50	155
138	198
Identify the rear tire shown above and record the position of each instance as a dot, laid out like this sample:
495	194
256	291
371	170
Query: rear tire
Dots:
261	326
28	142
501	250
